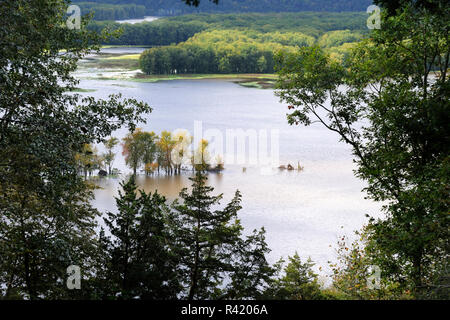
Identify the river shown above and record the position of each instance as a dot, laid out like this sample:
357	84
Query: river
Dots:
134	21
305	211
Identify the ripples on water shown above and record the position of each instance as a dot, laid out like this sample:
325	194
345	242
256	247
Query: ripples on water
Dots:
301	211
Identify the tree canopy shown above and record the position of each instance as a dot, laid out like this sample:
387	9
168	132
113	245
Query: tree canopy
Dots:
179	7
235	51
47	222
394	114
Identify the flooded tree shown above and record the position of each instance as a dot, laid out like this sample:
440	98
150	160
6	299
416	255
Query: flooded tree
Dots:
109	156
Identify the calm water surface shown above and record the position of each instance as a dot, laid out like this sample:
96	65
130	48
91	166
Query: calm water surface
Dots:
133	21
301	211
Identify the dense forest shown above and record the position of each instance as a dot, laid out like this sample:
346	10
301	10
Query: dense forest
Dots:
225	49
177	7
155	33
104	11
396	83
308	22
174	30
234	43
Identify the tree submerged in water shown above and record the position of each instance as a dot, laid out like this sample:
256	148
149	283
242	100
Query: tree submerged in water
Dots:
169	152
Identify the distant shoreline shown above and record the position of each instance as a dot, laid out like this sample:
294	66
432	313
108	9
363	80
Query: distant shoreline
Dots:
115	66
251	80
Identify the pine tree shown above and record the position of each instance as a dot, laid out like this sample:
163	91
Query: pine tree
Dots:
210	247
299	281
252	273
142	265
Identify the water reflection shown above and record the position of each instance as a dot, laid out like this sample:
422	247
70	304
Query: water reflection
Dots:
301	211
170	186
133	21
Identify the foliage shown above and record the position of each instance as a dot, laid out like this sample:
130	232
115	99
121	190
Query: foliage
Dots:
298	282
181	152
46	220
167	31
112	12
201	160
402	148
141	261
88	160
252	274
310	23
432	6
234	43
166	145
227	51
139	148
155	33
337	38
229	48
186	250
176	7
109	156
354	274
211	249
169	151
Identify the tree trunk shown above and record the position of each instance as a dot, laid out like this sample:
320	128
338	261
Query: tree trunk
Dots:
194	279
28	281
417	272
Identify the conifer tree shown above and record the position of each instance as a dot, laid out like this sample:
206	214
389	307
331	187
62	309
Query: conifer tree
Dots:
298	282
210	247
142	264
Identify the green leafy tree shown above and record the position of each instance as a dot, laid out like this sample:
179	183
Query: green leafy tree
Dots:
150	148
394	115
46	220
132	150
110	156
88	160
139	148
252	274
166	145
180	152
355	276
201	159
298	282
262	64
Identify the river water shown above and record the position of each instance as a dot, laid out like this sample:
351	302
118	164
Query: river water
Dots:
305	211
134	21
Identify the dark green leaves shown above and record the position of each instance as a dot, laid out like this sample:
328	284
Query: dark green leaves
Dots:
384	102
46	220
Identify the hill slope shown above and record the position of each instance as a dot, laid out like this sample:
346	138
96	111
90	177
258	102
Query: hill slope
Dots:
178	7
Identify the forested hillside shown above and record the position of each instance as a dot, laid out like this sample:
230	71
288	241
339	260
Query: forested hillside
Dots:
238	43
174	30
235	43
105	11
178	7
383	117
